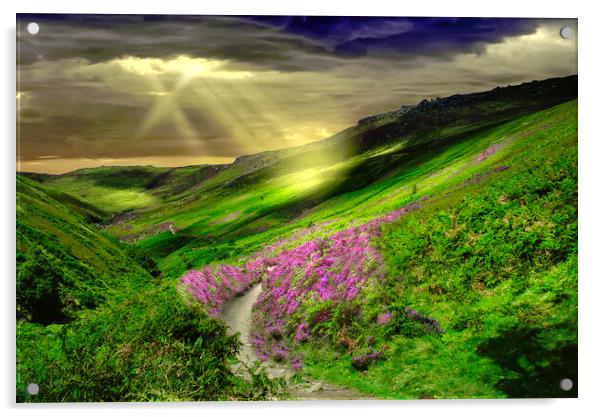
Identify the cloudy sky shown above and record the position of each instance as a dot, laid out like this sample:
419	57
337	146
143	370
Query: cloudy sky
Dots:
181	90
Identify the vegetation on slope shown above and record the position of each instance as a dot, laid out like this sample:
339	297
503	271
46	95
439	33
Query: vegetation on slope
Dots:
145	347
95	325
64	263
494	263
478	295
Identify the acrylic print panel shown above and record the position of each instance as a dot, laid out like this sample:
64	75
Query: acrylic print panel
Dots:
287	207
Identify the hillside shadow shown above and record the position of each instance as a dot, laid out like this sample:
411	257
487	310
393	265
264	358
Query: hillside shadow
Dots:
539	370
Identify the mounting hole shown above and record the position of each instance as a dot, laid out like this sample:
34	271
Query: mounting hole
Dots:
33	388
33	28
566	384
566	32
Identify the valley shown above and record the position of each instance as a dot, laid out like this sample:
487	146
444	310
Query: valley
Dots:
427	252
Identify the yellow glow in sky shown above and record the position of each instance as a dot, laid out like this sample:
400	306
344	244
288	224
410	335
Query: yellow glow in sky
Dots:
53	165
182	65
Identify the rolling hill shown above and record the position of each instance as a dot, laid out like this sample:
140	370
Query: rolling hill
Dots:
462	210
193	215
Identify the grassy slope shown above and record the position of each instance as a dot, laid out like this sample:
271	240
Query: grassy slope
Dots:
95	326
112	189
59	252
493	260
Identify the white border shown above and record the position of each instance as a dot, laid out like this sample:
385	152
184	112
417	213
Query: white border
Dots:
590	151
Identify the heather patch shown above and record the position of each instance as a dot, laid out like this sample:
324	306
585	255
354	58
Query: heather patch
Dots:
314	289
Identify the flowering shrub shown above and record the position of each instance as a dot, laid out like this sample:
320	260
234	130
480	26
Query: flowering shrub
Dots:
296	364
307	286
212	287
303	287
302	333
384	318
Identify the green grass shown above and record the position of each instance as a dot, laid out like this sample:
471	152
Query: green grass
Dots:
495	262
113	198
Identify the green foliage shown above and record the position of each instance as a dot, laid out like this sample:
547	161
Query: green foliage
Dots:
39	280
149	347
145	259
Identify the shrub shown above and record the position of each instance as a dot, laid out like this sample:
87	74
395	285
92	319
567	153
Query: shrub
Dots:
150	347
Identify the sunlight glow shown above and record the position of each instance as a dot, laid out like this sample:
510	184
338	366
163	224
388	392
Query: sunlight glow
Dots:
190	98
302	181
168	106
182	65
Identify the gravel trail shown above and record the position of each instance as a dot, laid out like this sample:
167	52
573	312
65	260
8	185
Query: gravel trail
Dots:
237	315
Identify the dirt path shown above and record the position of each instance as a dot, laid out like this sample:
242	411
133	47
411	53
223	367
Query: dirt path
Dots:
237	316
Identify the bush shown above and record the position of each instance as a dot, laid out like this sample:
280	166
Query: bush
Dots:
151	347
145	259
39	278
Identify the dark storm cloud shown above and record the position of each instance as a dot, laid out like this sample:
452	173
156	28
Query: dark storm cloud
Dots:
285	43
80	128
104	37
415	35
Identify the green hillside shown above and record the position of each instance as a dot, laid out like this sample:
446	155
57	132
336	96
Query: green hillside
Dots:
64	263
112	189
491	257
428	252
239	215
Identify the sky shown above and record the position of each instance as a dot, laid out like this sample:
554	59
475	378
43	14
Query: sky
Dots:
96	90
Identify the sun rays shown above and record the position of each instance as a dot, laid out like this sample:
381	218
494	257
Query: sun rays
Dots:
236	101
251	116
203	86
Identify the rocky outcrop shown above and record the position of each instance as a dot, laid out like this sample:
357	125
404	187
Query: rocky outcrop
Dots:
422	123
388	115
